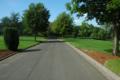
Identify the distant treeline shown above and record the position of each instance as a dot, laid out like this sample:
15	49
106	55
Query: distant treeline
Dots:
90	31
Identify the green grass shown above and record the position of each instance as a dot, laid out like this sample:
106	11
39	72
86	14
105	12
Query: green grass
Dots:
114	65
97	45
25	42
2	45
90	44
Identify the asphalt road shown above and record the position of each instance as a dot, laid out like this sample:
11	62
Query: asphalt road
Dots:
52	60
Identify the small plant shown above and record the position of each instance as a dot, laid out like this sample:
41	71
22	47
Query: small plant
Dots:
11	38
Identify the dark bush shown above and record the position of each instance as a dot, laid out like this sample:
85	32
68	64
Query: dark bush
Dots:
11	38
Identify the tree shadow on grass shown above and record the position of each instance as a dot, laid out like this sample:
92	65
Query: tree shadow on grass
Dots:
26	40
111	51
108	50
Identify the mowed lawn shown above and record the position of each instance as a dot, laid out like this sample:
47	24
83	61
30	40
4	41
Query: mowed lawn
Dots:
97	45
114	65
91	44
25	41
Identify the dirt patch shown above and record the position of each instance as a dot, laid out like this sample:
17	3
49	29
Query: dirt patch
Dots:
98	56
5	54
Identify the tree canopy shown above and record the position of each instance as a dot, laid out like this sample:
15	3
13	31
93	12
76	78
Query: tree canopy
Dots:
63	24
105	11
12	21
99	9
36	18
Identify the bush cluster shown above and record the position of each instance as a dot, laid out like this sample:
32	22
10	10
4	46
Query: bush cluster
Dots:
11	38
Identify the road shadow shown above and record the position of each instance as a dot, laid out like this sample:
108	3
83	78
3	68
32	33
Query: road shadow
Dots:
28	50
52	41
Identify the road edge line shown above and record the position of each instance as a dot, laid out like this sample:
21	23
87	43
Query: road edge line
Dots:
102	69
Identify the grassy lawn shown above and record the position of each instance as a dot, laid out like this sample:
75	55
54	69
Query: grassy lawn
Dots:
90	44
25	42
2	46
100	46
114	65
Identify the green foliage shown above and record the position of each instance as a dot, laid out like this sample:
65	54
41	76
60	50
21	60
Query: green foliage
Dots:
101	34
90	31
13	21
35	19
104	11
113	5
75	31
5	21
86	30
11	38
1	27
63	24
11	33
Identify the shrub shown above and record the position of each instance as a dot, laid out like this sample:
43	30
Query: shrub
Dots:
11	38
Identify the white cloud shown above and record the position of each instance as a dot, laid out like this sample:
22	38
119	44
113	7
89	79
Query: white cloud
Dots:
78	21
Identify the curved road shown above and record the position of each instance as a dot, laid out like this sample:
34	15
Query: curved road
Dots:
52	60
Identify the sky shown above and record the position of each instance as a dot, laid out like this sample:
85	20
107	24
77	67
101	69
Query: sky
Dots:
54	6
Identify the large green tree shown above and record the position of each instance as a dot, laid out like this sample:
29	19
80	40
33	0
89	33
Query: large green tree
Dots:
36	18
105	11
63	24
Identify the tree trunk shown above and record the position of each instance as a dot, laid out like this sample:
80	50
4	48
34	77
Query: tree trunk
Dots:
115	41
35	37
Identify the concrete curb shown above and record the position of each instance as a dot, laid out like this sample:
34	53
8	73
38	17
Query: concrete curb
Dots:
102	69
7	56
14	53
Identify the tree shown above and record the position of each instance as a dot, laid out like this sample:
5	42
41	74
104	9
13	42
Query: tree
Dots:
35	19
63	24
11	38
108	29
14	18
105	11
85	30
95	32
75	31
11	31
12	21
5	21
16	22
51	31
1	27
